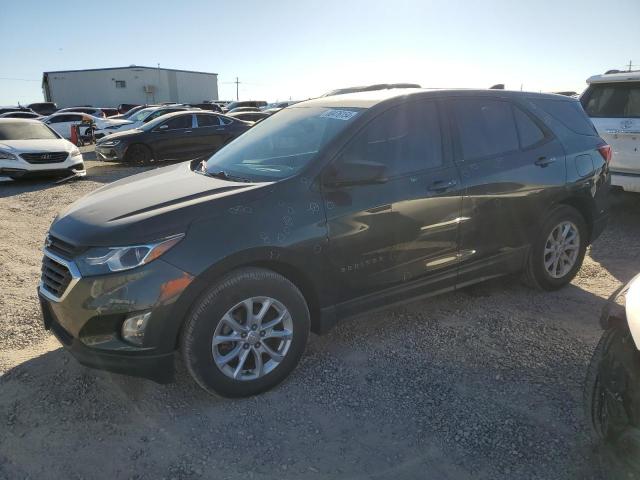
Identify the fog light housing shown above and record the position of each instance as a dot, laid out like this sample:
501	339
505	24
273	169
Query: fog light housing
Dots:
133	328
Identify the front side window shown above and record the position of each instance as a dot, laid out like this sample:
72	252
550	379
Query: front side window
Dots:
486	127
281	145
614	100
405	138
177	123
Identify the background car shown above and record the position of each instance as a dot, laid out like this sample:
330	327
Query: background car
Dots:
174	136
138	119
93	111
244	109
110	112
125	107
612	101
31	148
370	88
20	114
212	107
62	122
43	108
250	116
14	109
245	103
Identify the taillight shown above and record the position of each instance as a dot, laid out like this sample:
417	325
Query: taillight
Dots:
605	151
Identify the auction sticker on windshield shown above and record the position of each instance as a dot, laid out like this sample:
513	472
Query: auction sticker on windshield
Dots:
339	114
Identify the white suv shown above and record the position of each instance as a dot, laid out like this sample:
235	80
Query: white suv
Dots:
30	148
612	101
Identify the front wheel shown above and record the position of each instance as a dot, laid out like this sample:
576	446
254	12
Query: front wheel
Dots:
138	154
246	333
557	253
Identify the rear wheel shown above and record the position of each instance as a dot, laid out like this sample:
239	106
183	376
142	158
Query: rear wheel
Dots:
246	333
138	154
557	253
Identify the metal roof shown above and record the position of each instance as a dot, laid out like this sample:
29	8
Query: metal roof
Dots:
130	67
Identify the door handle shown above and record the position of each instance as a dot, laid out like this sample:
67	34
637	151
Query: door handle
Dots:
188	131
544	161
442	185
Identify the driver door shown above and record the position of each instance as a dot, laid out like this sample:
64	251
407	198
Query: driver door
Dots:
399	236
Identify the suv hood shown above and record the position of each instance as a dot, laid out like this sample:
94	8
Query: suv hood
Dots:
150	206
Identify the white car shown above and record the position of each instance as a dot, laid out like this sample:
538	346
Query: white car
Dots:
612	101
62	122
31	148
140	118
93	111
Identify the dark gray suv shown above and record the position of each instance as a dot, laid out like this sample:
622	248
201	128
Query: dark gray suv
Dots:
329	208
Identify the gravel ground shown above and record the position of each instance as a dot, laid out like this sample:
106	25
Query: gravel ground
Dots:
483	383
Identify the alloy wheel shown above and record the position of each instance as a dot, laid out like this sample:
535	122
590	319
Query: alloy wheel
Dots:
252	338
561	249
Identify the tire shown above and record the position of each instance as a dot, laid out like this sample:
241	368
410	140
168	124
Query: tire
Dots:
536	274
138	154
226	299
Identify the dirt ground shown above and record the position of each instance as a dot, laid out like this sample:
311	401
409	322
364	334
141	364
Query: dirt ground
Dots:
483	383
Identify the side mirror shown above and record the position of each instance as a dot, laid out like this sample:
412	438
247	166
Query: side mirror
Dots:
353	173
161	128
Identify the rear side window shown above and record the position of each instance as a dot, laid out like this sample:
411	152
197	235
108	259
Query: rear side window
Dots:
569	113
528	131
208	121
405	138
183	121
486	127
613	100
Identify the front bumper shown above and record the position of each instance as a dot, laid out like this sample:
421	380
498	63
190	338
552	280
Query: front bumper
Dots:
630	182
22	169
111	154
88	318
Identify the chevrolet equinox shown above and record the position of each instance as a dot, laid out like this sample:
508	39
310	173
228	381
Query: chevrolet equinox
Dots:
330	208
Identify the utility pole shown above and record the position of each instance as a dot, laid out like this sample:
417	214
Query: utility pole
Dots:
237	82
630	65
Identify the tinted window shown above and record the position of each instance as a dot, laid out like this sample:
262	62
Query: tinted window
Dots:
208	121
159	113
613	100
225	120
405	138
183	121
569	113
486	127
63	118
529	132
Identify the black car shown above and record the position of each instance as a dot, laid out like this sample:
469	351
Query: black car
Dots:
212	107
179	135
250	116
245	103
43	108
330	208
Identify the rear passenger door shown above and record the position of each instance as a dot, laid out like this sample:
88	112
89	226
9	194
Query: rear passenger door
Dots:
512	168
401	235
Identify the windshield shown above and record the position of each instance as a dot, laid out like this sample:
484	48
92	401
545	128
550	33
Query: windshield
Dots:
281	145
25	131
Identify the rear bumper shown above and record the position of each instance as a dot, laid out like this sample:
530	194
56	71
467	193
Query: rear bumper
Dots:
629	182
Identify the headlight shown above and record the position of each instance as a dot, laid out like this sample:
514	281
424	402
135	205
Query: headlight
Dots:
4	155
101	260
75	152
109	143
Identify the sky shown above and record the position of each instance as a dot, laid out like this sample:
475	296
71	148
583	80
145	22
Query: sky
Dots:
282	49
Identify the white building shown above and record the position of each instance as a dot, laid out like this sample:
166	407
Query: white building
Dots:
109	87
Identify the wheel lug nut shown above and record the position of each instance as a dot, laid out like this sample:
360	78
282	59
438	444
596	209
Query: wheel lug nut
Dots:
258	345
245	346
254	327
262	333
243	335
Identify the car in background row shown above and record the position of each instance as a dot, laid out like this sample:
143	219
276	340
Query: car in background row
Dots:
30	148
125	107
93	111
138	119
327	209
62	122
174	136
210	106
370	88
250	116
18	108
20	114
612	101
43	108
244	103
244	109
279	105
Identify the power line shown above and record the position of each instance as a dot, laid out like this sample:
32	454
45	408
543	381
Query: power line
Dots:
20	79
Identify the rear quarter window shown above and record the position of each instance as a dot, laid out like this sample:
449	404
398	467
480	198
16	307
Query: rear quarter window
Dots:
613	100
569	113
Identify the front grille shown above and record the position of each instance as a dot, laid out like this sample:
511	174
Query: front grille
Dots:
45	157
62	248
55	277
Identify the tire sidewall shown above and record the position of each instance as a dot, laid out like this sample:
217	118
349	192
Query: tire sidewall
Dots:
138	154
559	215
207	314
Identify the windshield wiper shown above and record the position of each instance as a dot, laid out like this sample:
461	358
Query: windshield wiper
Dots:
224	176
